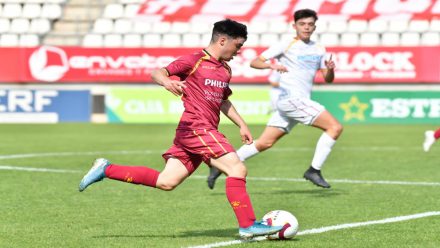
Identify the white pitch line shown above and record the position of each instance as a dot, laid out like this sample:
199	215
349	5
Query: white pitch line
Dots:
329	228
64	154
9	167
33	169
285	149
349	181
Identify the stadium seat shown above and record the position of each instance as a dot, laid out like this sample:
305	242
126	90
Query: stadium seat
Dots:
357	26
337	26
12	10
268	39
161	27
430	39
419	26
258	27
51	1
398	26
321	27
19	26
171	40
9	40
329	39
51	11
31	10
131	1
253	40
180	27
122	26
40	26
131	10
113	11
29	40
279	27
206	38
112	40
410	39
191	40
349	39
4	25
200	27
434	25
132	40
369	39
93	40
141	27
390	39
151	40
377	26
103	26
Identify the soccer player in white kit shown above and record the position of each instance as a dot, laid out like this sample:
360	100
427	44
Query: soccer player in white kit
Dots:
299	60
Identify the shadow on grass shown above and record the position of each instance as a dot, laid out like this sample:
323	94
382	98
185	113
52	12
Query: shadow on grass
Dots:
223	233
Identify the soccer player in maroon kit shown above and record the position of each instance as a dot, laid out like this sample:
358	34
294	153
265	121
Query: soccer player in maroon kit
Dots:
204	87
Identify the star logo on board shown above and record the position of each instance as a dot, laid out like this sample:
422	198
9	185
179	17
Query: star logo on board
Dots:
354	109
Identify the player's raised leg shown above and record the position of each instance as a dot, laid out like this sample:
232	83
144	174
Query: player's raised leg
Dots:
173	174
238	197
332	130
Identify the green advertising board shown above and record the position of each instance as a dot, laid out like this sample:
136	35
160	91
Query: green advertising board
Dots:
404	107
156	105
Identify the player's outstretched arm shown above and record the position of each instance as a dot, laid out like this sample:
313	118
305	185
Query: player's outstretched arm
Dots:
161	77
229	110
260	63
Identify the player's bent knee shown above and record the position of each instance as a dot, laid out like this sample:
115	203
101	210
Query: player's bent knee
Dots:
166	186
264	146
238	170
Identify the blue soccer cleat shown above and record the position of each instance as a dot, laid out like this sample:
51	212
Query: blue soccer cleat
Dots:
95	174
258	229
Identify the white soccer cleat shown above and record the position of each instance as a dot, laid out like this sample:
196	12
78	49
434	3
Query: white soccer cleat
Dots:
429	140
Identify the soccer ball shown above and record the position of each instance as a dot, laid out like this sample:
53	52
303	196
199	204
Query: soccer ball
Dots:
285	219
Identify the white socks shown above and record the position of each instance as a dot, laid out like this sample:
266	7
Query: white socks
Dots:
323	149
247	151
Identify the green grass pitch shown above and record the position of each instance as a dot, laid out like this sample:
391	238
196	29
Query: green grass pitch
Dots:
45	209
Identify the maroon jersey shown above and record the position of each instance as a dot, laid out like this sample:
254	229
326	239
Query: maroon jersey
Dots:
207	86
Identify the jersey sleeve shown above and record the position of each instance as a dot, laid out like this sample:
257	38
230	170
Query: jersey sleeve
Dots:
274	51
180	67
228	93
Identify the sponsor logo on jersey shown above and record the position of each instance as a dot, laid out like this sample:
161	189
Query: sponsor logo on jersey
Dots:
215	83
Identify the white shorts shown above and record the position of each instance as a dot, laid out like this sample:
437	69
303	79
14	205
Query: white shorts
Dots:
274	95
291	111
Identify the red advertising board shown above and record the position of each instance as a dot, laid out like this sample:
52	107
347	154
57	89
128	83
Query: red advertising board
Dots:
50	64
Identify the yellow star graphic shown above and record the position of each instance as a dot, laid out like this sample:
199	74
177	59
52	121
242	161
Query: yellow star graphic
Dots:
354	109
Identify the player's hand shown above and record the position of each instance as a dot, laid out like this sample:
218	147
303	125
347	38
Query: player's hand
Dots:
246	136
278	68
175	87
330	64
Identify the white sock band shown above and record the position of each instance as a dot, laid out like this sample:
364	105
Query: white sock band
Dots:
247	151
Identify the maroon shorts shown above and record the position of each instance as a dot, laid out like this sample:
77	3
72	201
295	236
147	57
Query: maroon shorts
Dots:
193	147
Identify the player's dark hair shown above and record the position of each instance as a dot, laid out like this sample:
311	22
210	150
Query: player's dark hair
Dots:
230	28
304	13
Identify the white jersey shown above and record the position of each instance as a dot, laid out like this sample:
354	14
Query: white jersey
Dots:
302	60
